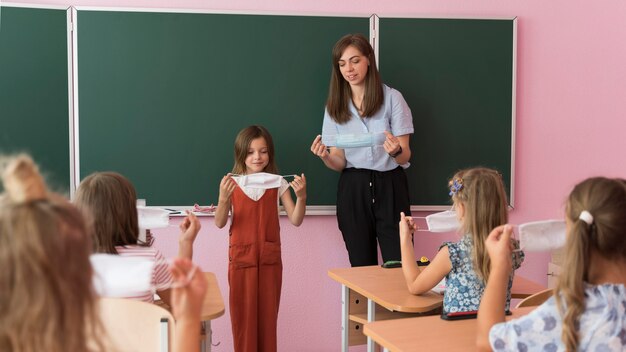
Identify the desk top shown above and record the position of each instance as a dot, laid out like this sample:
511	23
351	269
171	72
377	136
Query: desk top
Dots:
429	333
388	288
213	305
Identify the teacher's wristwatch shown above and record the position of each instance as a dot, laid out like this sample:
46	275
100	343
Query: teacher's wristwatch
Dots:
396	153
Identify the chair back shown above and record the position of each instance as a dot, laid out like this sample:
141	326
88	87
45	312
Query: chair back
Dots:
136	326
536	299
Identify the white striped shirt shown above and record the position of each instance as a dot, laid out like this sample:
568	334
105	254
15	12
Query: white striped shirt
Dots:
161	276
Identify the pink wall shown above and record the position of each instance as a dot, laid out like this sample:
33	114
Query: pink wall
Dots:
570	123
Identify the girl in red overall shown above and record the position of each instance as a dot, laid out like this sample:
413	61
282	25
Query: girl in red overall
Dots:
255	266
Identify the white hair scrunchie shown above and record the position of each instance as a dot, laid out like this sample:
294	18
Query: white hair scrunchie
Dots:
586	217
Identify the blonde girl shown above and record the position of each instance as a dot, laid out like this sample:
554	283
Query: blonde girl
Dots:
480	202
47	302
588	309
255	264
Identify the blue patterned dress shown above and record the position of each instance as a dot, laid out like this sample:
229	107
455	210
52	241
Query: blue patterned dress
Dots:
463	287
602	325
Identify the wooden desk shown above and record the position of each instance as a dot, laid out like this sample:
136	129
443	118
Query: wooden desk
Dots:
212	307
372	293
428	333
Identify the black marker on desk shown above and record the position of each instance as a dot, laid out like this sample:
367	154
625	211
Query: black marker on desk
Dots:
172	211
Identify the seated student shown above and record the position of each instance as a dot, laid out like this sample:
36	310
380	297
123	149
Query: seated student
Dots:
588	309
47	300
109	202
480	203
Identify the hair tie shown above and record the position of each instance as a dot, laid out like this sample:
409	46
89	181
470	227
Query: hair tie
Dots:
586	217
455	186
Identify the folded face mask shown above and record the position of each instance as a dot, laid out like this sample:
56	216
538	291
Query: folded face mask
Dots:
445	221
354	140
152	218
117	276
539	236
261	180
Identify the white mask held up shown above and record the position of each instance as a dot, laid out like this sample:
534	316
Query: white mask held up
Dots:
151	218
117	276
540	236
445	221
261	180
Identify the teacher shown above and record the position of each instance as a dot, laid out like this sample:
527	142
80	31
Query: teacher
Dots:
374	122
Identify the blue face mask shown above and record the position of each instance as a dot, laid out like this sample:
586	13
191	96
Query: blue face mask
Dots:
354	140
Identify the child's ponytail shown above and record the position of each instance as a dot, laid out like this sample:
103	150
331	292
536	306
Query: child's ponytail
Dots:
596	213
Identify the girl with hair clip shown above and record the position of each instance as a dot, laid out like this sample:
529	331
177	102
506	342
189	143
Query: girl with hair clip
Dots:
47	301
373	187
588	309
480	202
255	265
109	202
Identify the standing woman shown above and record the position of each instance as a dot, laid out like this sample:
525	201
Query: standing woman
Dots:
373	187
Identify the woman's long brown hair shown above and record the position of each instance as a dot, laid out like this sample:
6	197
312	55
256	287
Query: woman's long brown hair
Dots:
339	91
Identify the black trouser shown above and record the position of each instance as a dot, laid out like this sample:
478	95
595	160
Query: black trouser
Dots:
368	208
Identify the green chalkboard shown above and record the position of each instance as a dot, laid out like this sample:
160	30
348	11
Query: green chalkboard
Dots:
163	95
457	76
34	108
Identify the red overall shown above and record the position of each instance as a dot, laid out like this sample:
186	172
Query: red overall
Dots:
254	271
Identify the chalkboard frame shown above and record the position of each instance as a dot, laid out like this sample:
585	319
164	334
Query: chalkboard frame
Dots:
375	39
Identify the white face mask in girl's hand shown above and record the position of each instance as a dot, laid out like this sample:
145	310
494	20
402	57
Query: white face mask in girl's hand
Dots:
118	276
539	236
259	180
152	218
445	221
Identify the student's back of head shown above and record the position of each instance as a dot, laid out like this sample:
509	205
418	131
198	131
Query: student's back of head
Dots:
598	236
481	194
109	201
46	296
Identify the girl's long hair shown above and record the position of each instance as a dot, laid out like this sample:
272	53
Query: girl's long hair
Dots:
484	198
47	301
339	91
605	200
109	203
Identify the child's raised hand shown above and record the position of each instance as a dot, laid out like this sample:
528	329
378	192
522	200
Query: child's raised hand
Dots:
499	245
392	144
189	228
299	186
407	227
318	148
188	290
227	186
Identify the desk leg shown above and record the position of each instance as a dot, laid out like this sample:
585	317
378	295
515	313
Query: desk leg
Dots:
371	316
345	321
205	343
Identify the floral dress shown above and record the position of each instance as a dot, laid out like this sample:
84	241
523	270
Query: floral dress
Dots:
602	325
464	288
